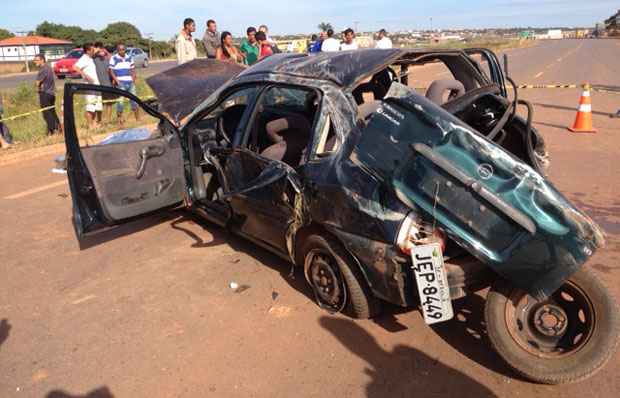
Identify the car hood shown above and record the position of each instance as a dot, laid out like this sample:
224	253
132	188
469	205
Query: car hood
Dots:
491	203
184	87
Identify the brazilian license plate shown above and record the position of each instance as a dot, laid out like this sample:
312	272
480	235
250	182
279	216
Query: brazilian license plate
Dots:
432	281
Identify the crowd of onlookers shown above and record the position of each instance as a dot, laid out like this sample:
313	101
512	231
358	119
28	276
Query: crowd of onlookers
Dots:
257	44
98	66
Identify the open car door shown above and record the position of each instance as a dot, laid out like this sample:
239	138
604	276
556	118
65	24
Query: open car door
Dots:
133	172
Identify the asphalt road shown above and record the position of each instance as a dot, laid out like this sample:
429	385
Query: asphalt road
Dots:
12	81
149	312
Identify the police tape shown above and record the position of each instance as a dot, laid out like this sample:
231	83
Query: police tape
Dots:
118	100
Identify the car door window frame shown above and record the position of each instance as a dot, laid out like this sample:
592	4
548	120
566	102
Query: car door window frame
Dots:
244	138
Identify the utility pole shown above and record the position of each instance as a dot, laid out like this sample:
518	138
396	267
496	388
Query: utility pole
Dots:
150	37
431	24
356	24
24	35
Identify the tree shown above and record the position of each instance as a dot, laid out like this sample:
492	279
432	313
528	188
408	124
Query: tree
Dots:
5	34
118	32
325	26
75	34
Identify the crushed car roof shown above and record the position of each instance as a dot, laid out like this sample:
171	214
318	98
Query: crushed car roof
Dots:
184	87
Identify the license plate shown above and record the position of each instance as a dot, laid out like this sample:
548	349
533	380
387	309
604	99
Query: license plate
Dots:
432	281
64	70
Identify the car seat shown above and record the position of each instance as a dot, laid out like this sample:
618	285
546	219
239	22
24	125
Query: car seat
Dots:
289	136
438	88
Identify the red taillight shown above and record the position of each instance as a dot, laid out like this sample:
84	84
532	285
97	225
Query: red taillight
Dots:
414	232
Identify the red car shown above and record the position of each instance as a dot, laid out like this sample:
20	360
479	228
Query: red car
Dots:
64	66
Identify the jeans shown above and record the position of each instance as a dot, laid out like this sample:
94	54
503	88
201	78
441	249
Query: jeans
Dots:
130	88
50	117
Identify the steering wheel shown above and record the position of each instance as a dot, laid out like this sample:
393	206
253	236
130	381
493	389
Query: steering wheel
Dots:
463	102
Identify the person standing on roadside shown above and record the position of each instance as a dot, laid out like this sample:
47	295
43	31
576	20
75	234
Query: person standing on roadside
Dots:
250	47
86	67
123	73
102	64
227	50
330	44
265	47
383	42
272	43
185	45
211	39
349	42
46	88
5	136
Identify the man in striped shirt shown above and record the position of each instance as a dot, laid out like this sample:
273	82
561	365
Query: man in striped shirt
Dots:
123	72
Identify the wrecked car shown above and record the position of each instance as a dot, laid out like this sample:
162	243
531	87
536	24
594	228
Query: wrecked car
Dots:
378	192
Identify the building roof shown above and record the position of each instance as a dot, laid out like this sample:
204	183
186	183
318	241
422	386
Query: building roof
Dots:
31	41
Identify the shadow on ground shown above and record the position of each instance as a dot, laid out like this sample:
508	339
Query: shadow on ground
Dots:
404	371
101	392
5	328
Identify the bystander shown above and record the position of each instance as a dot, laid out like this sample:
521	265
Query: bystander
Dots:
211	39
5	136
185	45
383	42
330	44
46	87
227	50
86	67
250	47
349	42
265	47
123	73
102	64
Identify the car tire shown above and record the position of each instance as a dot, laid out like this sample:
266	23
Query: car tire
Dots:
578	358
359	300
145	64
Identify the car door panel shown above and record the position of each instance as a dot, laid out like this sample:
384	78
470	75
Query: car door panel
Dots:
261	195
114	169
116	182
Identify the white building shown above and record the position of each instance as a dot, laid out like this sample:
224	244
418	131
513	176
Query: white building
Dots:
15	49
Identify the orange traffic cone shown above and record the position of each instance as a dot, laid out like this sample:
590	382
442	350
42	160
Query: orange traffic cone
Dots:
583	121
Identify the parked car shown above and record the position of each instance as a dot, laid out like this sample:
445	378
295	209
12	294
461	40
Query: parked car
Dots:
400	197
140	58
64	67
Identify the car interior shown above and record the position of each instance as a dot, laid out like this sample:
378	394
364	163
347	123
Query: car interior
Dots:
280	127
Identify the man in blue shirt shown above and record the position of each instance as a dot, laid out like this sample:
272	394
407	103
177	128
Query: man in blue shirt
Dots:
123	73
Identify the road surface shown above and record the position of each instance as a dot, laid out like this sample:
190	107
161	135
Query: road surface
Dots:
150	313
12	81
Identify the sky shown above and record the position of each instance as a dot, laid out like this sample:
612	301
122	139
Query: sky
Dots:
163	18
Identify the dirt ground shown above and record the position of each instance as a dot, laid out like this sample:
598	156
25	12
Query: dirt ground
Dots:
147	310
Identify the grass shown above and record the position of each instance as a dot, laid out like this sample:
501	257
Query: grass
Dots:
30	131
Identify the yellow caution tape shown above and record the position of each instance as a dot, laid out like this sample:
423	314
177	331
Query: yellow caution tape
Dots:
9	118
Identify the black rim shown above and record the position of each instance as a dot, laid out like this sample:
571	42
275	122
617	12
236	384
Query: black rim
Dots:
558	326
326	281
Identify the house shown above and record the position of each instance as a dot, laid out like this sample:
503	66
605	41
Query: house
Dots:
15	49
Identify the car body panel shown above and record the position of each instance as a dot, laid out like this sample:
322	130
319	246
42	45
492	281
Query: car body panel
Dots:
496	206
64	67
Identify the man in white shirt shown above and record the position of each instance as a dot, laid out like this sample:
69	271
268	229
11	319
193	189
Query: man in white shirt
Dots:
86	66
383	42
349	41
330	44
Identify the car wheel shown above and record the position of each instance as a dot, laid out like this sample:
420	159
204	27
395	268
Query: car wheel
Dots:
563	339
145	64
337	283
